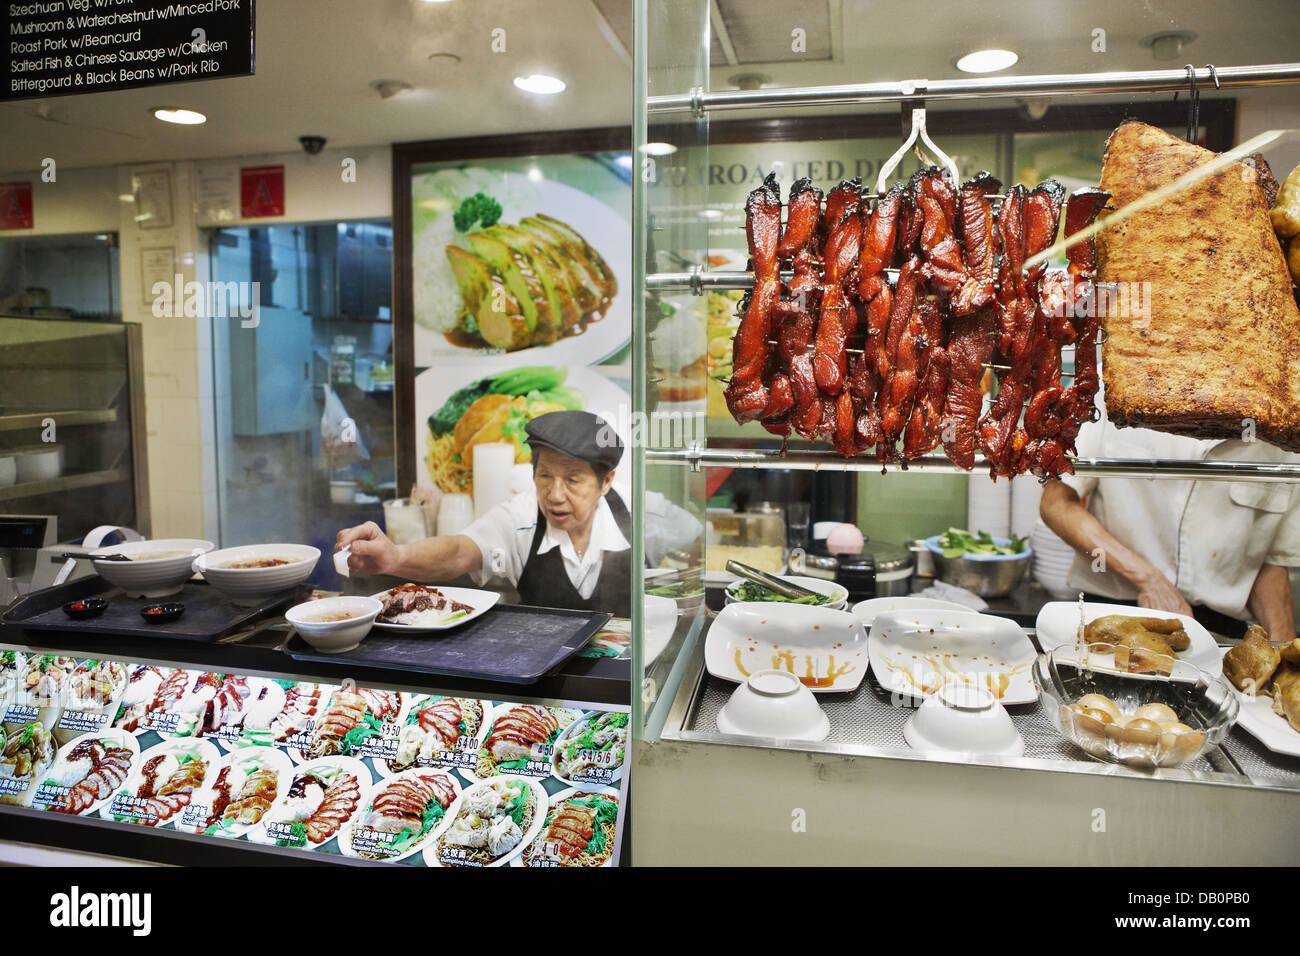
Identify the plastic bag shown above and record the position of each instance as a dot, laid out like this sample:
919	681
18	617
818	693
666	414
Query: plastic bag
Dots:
340	441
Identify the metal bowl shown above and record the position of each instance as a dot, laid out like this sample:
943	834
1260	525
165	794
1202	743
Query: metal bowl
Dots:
988	575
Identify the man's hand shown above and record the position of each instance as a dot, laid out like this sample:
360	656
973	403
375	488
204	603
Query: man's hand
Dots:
372	552
1155	591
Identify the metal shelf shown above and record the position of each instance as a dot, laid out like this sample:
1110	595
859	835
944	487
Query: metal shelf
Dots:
79	416
700	102
799	459
30	489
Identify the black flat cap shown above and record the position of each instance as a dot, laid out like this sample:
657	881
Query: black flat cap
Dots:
579	435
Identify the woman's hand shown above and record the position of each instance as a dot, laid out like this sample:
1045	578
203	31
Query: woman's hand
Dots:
1155	591
372	551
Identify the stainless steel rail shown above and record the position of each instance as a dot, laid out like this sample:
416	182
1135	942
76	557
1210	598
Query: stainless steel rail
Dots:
799	459
699	101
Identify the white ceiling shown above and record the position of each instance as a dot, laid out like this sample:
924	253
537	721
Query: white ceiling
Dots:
315	59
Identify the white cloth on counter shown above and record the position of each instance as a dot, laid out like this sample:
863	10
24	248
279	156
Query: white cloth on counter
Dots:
505	534
943	591
1209	538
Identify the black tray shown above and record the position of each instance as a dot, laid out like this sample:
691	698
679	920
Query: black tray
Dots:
208	614
514	643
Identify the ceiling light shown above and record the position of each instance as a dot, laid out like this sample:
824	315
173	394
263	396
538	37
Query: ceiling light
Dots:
658	149
711	214
987	61
182	117
625	161
535	174
540	83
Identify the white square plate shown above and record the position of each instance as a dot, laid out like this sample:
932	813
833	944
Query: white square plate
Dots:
825	649
1058	623
480	601
914	653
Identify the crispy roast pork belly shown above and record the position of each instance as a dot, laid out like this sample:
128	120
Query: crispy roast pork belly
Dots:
1219	350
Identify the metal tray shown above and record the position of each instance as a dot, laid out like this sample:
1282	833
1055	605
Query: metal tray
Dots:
208	614
513	643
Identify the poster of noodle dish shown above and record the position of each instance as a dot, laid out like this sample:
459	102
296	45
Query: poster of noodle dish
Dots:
528	258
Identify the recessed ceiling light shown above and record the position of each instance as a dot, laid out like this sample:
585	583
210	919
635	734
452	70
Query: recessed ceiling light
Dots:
624	161
540	83
535	174
437	1
987	61
658	149
175	114
711	214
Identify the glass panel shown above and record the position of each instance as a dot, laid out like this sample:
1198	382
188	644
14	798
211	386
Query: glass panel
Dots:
321	347
672	53
60	277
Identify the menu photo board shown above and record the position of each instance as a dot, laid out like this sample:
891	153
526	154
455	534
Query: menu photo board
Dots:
62	47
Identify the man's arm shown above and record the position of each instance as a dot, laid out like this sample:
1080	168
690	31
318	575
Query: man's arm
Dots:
1062	511
429	559
1270	602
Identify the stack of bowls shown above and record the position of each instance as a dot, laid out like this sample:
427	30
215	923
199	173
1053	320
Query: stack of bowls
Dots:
1052	561
775	704
962	718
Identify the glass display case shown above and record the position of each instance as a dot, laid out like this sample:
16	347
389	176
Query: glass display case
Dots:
725	98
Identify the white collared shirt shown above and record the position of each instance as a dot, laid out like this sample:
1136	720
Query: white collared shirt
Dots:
1209	538
504	535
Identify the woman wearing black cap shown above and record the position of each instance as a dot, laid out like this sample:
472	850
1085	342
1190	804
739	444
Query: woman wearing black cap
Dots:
563	544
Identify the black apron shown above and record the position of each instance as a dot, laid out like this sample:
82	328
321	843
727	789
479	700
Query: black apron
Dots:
545	583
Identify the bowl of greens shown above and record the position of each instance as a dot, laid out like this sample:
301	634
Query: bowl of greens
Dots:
834	596
687	591
979	562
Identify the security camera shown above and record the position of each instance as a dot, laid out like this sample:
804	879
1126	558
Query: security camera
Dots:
311	145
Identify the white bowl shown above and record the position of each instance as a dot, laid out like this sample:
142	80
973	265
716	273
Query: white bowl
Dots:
964	719
776	704
334	637
151	577
8	470
343	492
40	464
838	592
249	586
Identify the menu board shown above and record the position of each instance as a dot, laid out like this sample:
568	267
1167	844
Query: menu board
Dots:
366	772
59	47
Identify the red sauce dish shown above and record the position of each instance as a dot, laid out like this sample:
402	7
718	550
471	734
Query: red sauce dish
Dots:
161	613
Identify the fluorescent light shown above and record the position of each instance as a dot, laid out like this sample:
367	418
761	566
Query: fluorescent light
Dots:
711	214
658	149
987	61
535	174
624	161
540	83
183	117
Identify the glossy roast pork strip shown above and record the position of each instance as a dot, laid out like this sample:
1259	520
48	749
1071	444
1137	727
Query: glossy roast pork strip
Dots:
1223	340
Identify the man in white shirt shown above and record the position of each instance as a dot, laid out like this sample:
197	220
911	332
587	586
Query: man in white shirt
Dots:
566	543
1179	545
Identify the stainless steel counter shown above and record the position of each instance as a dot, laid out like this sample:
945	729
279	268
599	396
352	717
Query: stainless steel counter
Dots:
867	724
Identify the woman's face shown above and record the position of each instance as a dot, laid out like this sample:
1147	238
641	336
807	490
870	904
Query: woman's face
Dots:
567	489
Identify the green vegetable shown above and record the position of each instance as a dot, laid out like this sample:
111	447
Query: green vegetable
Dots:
513	765
477	208
519	806
369	727
606	813
749	591
286	684
541	381
681	589
616	720
956	542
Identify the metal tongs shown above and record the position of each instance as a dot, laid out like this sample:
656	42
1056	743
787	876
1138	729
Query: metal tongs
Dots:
918	132
784	588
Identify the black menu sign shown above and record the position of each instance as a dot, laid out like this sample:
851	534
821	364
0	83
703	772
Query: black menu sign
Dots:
57	47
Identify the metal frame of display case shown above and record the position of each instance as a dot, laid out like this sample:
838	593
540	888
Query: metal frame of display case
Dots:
699	104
